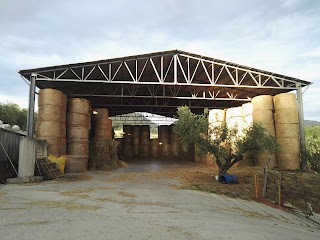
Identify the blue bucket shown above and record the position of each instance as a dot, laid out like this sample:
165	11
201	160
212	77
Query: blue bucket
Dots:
228	179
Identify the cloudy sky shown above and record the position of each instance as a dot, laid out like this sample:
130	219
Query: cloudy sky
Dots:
281	36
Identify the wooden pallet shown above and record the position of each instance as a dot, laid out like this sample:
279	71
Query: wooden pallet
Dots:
48	169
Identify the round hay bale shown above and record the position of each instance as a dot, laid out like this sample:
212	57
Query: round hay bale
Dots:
135	141
136	149
262	102
287	130
247	109
63	133
285	100
63	146
79	105
127	151
50	113
247	121
234	112
101	113
78	133
288	161
136	132
64	101
164	133
263	116
127	131
53	145
236	122
165	150
103	134
48	129
76	163
154	148
217	115
50	96
144	150
78	120
145	132
78	147
263	158
289	145
287	115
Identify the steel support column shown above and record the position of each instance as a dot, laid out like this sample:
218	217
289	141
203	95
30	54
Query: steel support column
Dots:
301	126
32	93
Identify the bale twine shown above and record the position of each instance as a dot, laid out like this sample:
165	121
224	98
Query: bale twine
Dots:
79	105
287	130
247	109
236	112
288	161
50	96
285	100
53	145
263	158
48	129
49	113
154	148
78	119
262	102
78	147
76	163
287	115
164	133
247	121
78	133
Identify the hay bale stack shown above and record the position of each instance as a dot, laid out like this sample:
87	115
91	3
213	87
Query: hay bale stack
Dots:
102	124
154	148
50	120
103	154
64	125
287	131
76	163
145	141
263	113
164	138
175	144
234	118
127	142
216	117
136	140
78	133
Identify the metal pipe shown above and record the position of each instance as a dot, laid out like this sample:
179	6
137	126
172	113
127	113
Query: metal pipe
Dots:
32	93
303	164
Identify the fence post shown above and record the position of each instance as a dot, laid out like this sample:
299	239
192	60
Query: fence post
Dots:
265	181
280	190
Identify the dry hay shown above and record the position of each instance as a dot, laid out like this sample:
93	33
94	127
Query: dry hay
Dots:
78	193
164	133
287	130
247	109
125	194
101	113
263	158
234	112
76	163
63	133
288	161
289	145
144	150
66	205
48	129
262	102
79	105
75	133
165	150
103	154
50	96
287	115
285	100
73	178
78	147
263	116
64	101
217	115
49	113
78	120
53	144
63	146
136	132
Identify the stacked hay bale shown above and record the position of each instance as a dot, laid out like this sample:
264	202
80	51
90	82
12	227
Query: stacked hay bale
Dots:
127	142
102	124
164	138
50	119
145	141
64	125
79	113
154	148
175	144
234	119
287	131
136	140
263	113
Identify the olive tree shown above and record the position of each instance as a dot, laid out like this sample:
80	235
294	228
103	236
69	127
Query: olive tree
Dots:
227	144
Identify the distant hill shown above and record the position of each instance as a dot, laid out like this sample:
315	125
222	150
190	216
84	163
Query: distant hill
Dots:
310	123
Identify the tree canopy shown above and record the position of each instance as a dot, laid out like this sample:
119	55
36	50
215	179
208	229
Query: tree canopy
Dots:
12	114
